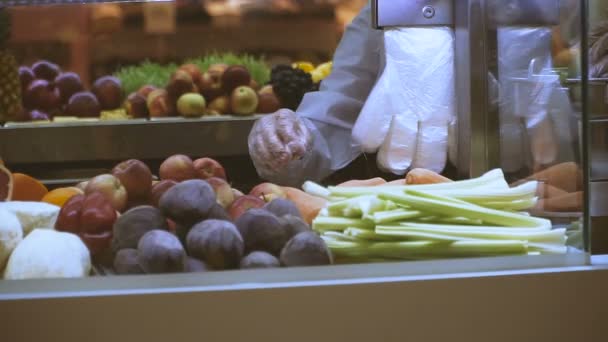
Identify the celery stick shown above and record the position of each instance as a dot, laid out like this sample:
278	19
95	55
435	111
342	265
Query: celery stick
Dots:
351	213
478	196
465	228
556	236
491	180
454	249
321	224
315	189
544	248
340	236
448	208
392	215
449	220
368	235
513	205
411	235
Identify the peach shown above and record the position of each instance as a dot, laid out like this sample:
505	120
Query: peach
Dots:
244	203
206	168
135	176
111	187
223	191
146	90
194	71
178	167
268	191
237	193
158	103
220	104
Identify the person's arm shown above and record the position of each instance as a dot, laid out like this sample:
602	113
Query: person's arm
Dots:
331	112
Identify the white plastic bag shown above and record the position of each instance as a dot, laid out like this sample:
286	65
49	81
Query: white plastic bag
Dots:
413	102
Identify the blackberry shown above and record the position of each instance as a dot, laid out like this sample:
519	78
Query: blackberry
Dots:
290	84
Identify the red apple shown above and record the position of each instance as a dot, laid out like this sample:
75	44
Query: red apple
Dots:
207	168
178	167
244	203
111	188
136	177
268	192
223	191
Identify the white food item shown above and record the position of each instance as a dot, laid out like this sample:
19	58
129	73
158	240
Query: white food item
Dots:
32	214
11	234
47	253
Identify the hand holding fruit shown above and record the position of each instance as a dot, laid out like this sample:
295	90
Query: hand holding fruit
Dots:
278	139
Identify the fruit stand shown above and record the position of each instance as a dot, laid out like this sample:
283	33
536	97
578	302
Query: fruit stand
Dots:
134	190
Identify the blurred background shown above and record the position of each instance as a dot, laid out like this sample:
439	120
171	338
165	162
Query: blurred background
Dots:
96	40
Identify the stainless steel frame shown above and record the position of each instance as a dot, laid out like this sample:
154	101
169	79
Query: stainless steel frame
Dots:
389	13
110	141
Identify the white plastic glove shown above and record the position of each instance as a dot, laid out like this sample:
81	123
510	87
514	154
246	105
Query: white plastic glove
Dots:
406	116
276	140
535	112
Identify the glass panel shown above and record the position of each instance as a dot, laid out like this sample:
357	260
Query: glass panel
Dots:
204	90
536	77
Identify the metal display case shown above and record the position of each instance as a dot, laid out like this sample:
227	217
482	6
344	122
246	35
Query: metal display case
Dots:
504	75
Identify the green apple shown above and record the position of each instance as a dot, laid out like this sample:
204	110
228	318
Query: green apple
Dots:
244	100
191	105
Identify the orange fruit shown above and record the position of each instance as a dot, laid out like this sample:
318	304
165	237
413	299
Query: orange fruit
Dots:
27	188
59	196
6	184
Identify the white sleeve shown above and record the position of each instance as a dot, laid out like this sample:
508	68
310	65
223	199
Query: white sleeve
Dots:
332	111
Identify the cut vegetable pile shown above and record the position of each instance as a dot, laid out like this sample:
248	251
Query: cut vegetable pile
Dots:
471	218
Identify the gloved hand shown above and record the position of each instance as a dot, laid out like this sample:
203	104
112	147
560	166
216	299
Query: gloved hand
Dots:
278	139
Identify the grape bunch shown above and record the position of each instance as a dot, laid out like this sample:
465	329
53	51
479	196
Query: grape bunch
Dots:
290	84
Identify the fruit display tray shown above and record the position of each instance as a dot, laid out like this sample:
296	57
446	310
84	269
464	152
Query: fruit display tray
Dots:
65	142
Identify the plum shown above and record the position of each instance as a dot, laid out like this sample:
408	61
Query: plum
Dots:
259	259
218	212
26	76
282	207
46	70
125	262
294	225
137	106
262	231
68	83
217	242
235	76
158	189
35	115
42	95
188	202
109	92
194	265
83	104
305	249
161	252
134	223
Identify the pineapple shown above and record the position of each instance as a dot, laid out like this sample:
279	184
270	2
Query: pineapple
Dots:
10	85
